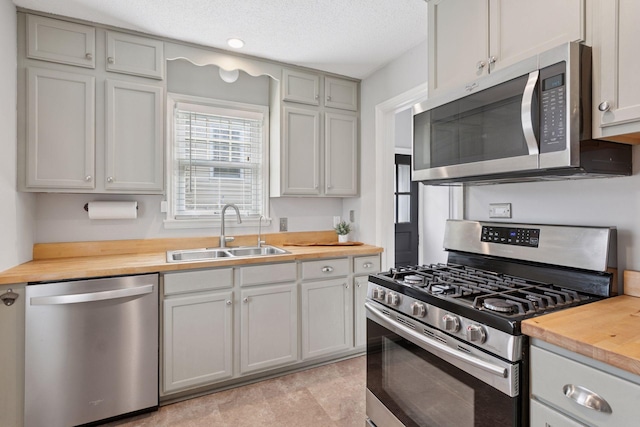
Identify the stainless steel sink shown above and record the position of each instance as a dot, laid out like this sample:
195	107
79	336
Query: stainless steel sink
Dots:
256	251
208	254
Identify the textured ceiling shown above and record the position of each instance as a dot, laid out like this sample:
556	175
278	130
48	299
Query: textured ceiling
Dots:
348	37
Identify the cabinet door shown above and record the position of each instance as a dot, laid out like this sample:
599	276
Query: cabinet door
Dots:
616	62
522	28
360	315
60	130
300	87
327	317
134	141
458	42
268	327
198	344
341	154
139	56
60	41
301	152
340	93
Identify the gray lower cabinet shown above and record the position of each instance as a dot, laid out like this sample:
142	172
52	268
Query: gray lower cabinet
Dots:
327	317
268	327
359	315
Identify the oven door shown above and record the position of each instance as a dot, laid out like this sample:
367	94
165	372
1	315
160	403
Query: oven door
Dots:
418	376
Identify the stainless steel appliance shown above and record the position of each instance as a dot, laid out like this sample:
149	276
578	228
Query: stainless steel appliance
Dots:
529	121
91	350
444	346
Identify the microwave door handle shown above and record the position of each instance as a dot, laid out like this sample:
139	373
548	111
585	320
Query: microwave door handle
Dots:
527	119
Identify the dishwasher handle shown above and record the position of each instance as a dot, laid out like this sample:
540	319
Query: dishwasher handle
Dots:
92	296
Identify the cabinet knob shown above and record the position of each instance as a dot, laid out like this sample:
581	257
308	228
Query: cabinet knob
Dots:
317	96
109	179
110	60
604	106
492	59
346	286
367	265
359	285
89	56
228	302
480	65
88	178
327	269
245	300
329	98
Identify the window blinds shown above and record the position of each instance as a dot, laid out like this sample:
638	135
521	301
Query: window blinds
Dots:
217	160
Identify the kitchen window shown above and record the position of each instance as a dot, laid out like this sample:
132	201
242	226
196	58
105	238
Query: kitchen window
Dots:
218	155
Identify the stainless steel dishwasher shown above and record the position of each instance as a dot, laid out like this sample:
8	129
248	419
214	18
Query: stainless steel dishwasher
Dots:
91	350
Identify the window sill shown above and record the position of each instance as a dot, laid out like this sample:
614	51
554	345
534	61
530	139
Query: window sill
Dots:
229	223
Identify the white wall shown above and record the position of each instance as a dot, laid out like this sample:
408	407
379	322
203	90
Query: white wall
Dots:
16	219
600	202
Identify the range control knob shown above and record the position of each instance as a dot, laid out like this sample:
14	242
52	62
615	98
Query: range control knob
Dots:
450	323
476	333
418	309
393	298
378	293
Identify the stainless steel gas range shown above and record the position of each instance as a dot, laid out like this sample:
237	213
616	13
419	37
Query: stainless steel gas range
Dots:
444	346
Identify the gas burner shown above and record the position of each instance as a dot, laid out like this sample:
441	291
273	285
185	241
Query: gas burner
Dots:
500	305
413	279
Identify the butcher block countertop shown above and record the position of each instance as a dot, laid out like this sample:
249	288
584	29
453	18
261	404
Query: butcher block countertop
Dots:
76	260
606	330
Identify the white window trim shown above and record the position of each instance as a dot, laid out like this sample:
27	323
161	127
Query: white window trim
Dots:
170	222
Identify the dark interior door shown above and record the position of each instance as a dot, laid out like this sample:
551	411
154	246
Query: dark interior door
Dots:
406	213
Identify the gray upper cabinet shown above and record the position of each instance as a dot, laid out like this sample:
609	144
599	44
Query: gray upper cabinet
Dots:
134	137
61	41
138	56
60	131
340	93
497	33
341	154
300	87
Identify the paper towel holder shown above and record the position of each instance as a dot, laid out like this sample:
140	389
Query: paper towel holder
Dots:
86	207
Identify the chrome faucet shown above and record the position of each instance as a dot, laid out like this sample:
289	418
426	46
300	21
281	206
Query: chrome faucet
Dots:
224	239
260	241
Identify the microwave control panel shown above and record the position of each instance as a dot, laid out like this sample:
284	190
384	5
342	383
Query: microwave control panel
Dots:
553	108
529	237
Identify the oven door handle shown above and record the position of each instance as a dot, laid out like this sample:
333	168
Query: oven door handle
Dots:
428	344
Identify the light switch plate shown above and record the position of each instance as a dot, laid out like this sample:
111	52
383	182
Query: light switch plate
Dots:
500	210
284	226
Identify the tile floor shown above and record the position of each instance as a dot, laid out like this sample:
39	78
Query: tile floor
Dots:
327	396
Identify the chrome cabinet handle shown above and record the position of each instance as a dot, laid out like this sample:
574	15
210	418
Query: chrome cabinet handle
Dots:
317	96
492	59
329	98
327	269
245	300
110	60
367	265
228	302
346	286
480	65
89	56
359	285
110	179
88	178
604	106
525	114
587	398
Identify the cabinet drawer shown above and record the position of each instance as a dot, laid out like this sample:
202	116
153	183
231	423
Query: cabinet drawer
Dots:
61	41
325	268
543	416
550	373
271	273
139	56
199	280
366	264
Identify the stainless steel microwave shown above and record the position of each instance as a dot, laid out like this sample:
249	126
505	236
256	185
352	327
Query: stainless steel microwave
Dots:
529	121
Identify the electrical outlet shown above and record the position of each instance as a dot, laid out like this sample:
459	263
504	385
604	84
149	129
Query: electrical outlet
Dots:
284	224
336	220
500	210
352	216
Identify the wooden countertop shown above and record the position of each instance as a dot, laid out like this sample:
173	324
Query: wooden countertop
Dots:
607	330
61	261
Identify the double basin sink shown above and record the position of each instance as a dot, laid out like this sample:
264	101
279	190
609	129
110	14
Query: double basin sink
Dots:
208	254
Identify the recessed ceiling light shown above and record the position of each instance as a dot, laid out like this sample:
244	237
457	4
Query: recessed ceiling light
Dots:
235	43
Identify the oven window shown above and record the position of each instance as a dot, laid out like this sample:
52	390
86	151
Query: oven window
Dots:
423	390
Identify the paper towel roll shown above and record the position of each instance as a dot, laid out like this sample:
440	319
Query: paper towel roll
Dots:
113	210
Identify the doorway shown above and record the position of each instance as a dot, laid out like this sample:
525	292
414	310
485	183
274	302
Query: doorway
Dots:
406	213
